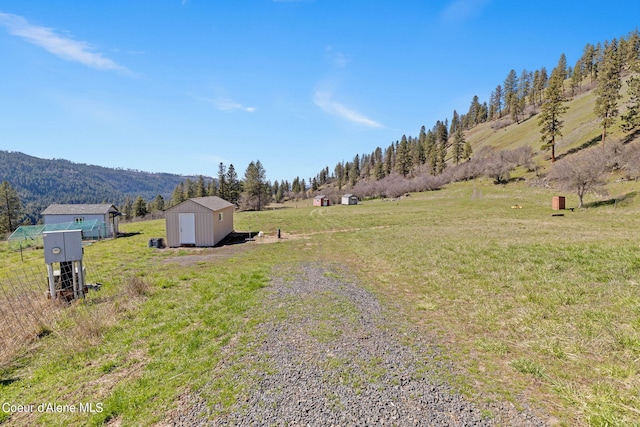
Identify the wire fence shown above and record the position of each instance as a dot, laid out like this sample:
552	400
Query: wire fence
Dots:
25	311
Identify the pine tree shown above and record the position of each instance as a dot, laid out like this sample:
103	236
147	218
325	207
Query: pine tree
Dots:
222	182
189	189
587	59
631	120
466	155
458	145
539	84
127	208
201	187
158	203
140	207
177	196
403	157
10	208
256	190
443	145
510	91
608	90
553	108
497	100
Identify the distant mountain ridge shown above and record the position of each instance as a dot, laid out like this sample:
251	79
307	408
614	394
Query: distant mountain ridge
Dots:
40	182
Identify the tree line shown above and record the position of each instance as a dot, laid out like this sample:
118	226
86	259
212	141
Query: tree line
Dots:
518	98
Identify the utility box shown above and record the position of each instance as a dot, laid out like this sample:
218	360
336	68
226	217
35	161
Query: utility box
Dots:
64	247
61	246
557	203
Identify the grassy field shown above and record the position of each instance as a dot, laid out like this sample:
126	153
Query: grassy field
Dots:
533	308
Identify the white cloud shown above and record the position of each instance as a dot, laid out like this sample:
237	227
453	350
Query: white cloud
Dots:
62	47
337	59
229	105
461	10
323	99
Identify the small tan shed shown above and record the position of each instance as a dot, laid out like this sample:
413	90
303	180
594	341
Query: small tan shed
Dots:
199	221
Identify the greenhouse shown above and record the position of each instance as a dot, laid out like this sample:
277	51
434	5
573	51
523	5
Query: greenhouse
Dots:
31	235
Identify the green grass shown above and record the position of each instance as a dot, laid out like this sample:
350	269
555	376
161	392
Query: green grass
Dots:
528	306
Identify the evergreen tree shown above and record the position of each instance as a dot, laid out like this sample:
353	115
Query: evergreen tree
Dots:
389	160
608	90
158	203
278	191
497	100
189	189
588	60
442	136
234	187
10	208
511	91
553	108
403	157
256	190
458	145
177	196
561	69
576	77
539	84
201	187
127	208
466	155
631	120
222	182
140	207
431	152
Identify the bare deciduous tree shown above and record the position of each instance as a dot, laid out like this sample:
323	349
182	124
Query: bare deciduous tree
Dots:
581	173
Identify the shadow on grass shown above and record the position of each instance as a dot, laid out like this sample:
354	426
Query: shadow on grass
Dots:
613	202
135	233
237	237
8	381
590	143
633	135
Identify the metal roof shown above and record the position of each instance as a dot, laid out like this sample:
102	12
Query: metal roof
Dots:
213	203
79	209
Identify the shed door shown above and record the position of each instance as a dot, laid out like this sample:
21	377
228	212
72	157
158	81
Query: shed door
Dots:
187	223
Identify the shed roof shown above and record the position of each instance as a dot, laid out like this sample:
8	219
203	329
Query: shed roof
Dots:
320	197
348	195
213	203
79	209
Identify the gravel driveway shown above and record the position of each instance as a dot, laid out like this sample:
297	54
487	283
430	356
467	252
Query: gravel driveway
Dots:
328	354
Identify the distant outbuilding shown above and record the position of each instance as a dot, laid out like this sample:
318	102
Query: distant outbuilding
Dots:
321	201
349	199
83	213
199	221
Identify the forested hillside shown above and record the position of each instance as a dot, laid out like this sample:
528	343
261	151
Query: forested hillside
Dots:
530	120
40	182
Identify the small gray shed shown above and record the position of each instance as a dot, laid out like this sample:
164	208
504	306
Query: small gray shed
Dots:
199	221
79	213
349	199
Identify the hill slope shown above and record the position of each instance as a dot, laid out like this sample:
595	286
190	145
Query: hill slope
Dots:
40	182
581	129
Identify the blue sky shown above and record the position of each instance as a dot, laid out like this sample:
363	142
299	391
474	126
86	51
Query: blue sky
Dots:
180	85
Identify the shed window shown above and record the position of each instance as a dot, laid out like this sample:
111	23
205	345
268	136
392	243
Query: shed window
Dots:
78	219
220	216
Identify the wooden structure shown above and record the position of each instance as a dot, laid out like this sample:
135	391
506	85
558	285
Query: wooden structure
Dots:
558	203
199	221
321	201
349	199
